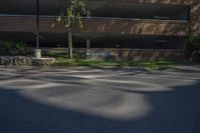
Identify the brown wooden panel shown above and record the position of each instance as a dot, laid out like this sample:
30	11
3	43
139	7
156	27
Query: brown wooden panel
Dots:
177	2
195	16
118	26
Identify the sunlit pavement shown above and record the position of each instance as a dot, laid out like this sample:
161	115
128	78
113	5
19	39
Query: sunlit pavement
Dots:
83	100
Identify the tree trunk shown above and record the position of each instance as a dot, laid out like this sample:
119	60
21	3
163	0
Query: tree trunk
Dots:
70	43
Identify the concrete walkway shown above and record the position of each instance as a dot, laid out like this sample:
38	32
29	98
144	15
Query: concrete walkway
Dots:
188	68
82	100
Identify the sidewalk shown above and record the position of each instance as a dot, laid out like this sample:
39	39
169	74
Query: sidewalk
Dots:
187	68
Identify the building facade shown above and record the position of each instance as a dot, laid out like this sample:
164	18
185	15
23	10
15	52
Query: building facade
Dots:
114	24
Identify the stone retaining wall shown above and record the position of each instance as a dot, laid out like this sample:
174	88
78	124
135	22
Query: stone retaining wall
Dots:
126	54
136	54
24	61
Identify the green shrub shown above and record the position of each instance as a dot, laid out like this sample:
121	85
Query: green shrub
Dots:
12	49
194	47
21	48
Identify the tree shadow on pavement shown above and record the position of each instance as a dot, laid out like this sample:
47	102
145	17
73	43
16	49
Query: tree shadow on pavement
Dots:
175	111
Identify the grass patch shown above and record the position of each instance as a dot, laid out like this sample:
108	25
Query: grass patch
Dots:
63	60
159	65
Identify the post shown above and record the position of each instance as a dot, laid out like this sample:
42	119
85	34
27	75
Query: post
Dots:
88	43
37	50
37	22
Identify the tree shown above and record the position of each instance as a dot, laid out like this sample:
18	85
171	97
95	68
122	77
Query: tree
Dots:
72	13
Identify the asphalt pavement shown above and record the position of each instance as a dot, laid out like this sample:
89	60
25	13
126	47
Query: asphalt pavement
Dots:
84	100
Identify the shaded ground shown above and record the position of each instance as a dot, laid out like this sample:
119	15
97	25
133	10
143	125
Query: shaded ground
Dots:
76	100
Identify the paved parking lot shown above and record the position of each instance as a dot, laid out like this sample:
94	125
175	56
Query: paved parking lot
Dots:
82	100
